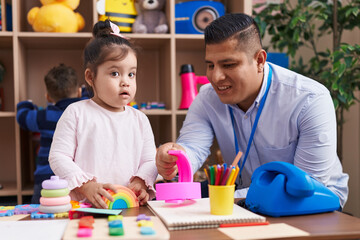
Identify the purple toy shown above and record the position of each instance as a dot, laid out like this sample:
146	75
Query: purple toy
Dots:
189	82
54	183
177	192
142	217
26	208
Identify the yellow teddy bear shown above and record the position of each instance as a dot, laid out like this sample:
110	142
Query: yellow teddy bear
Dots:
56	16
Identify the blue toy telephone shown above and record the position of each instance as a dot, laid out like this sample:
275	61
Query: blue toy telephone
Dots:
282	189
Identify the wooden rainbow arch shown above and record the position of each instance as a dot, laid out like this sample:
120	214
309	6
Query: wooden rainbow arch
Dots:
124	198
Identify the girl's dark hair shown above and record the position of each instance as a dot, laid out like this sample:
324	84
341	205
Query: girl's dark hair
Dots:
238	25
101	47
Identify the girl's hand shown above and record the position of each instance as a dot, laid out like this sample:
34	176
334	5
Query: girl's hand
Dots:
138	186
94	192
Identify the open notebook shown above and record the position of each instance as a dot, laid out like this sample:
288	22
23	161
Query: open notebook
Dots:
195	213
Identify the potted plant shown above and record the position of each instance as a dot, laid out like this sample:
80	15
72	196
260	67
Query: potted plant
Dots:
304	23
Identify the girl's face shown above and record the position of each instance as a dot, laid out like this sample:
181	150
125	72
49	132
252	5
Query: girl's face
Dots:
115	83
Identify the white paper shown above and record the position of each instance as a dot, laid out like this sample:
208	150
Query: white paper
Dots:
33	229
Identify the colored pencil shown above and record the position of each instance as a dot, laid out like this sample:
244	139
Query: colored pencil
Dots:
229	180
237	158
243	224
226	175
237	169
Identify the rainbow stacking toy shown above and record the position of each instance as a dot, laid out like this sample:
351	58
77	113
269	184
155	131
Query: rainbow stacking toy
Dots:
124	198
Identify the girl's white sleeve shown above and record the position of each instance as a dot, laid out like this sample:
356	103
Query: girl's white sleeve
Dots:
63	148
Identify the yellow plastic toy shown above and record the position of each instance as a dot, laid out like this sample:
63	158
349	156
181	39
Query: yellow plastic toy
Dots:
56	16
120	12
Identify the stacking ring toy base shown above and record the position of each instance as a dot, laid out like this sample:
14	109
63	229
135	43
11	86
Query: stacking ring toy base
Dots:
55	209
178	191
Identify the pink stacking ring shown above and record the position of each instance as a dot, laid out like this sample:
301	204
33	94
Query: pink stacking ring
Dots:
54	183
55	201
185	188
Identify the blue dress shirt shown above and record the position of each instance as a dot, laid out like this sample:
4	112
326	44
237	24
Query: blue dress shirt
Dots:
297	125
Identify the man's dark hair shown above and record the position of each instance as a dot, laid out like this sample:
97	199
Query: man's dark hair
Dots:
61	82
235	25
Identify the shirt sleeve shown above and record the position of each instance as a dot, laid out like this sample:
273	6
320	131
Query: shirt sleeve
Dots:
26	116
196	134
316	150
62	151
147	169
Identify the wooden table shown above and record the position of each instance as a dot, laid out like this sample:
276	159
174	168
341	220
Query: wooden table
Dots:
334	225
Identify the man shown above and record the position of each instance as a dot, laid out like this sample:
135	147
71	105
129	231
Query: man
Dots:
267	112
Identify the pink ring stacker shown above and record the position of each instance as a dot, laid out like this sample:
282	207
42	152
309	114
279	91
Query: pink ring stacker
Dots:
178	192
54	201
54	183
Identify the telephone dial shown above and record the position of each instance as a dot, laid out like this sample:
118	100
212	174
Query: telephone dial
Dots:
282	189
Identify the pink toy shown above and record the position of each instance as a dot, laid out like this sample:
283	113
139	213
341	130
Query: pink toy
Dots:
84	232
55	201
189	82
185	188
54	183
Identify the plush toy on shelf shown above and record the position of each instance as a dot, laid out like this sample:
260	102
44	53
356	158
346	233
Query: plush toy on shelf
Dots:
152	19
56	16
122	13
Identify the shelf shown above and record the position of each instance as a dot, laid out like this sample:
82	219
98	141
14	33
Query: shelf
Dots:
6	40
156	112
7	114
28	190
181	112
9	189
27	56
54	40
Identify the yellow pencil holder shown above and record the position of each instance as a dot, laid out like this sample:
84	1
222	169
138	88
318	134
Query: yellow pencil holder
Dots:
221	199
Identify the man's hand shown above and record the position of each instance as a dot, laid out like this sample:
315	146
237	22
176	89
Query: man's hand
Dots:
166	163
138	186
94	192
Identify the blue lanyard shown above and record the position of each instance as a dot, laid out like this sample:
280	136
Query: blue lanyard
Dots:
262	103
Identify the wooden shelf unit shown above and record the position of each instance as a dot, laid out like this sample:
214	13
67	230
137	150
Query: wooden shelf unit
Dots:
28	55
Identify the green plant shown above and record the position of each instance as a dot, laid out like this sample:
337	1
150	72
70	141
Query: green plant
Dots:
304	23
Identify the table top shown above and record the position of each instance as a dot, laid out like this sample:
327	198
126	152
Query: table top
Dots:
333	225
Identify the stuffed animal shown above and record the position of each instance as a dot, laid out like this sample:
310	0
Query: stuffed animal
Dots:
152	19
56	16
120	12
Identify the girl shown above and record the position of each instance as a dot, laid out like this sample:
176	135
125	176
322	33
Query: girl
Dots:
102	141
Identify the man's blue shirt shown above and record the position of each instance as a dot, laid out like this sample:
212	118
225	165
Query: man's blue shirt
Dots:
297	125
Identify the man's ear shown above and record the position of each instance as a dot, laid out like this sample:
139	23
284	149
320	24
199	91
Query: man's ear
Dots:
260	60
89	77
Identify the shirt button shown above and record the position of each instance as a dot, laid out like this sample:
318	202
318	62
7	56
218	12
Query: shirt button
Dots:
245	116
